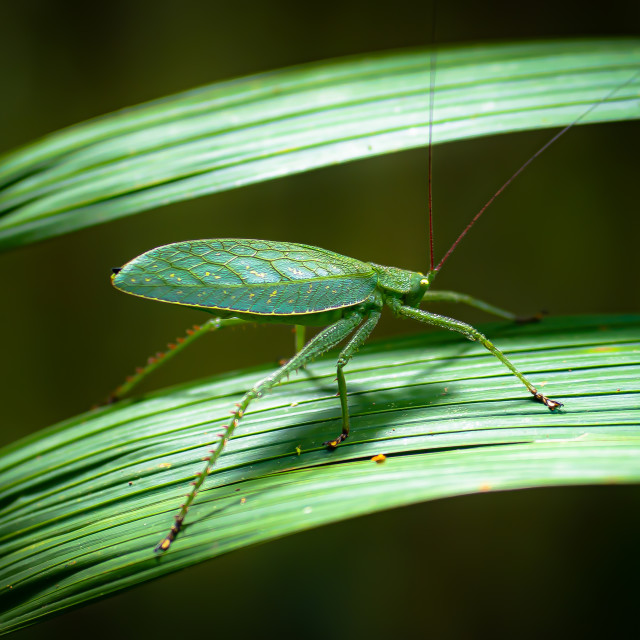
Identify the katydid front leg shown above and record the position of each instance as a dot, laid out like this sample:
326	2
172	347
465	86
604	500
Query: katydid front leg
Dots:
474	335
463	298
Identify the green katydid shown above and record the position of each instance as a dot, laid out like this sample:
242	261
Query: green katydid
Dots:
239	280
262	281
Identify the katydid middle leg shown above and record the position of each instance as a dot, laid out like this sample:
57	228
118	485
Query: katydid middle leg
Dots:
300	332
357	340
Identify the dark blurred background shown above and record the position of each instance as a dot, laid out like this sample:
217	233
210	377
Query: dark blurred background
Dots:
562	238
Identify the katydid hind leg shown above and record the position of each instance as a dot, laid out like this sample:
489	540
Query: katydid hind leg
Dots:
162	357
474	335
327	339
357	340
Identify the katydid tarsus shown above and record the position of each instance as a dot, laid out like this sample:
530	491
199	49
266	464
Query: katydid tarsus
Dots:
240	280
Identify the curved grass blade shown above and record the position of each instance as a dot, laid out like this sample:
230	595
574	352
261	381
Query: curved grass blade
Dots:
84	502
275	124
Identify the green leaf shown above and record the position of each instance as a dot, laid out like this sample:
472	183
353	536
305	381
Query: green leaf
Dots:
275	124
84	502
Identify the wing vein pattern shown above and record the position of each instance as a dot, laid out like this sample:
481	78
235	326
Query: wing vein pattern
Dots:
252	276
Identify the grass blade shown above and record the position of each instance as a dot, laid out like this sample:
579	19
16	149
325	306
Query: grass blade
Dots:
84	502
275	124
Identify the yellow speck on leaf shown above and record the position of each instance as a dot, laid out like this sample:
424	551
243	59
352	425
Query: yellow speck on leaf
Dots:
380	458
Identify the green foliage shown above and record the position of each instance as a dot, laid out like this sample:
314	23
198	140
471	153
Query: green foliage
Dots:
84	502
275	124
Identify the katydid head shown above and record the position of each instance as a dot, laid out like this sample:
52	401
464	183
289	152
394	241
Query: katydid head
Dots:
422	286
427	280
422	283
402	284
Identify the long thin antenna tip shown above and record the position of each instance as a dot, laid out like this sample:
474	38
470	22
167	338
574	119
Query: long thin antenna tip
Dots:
529	161
432	89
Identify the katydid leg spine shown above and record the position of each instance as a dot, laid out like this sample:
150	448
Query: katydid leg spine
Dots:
173	348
